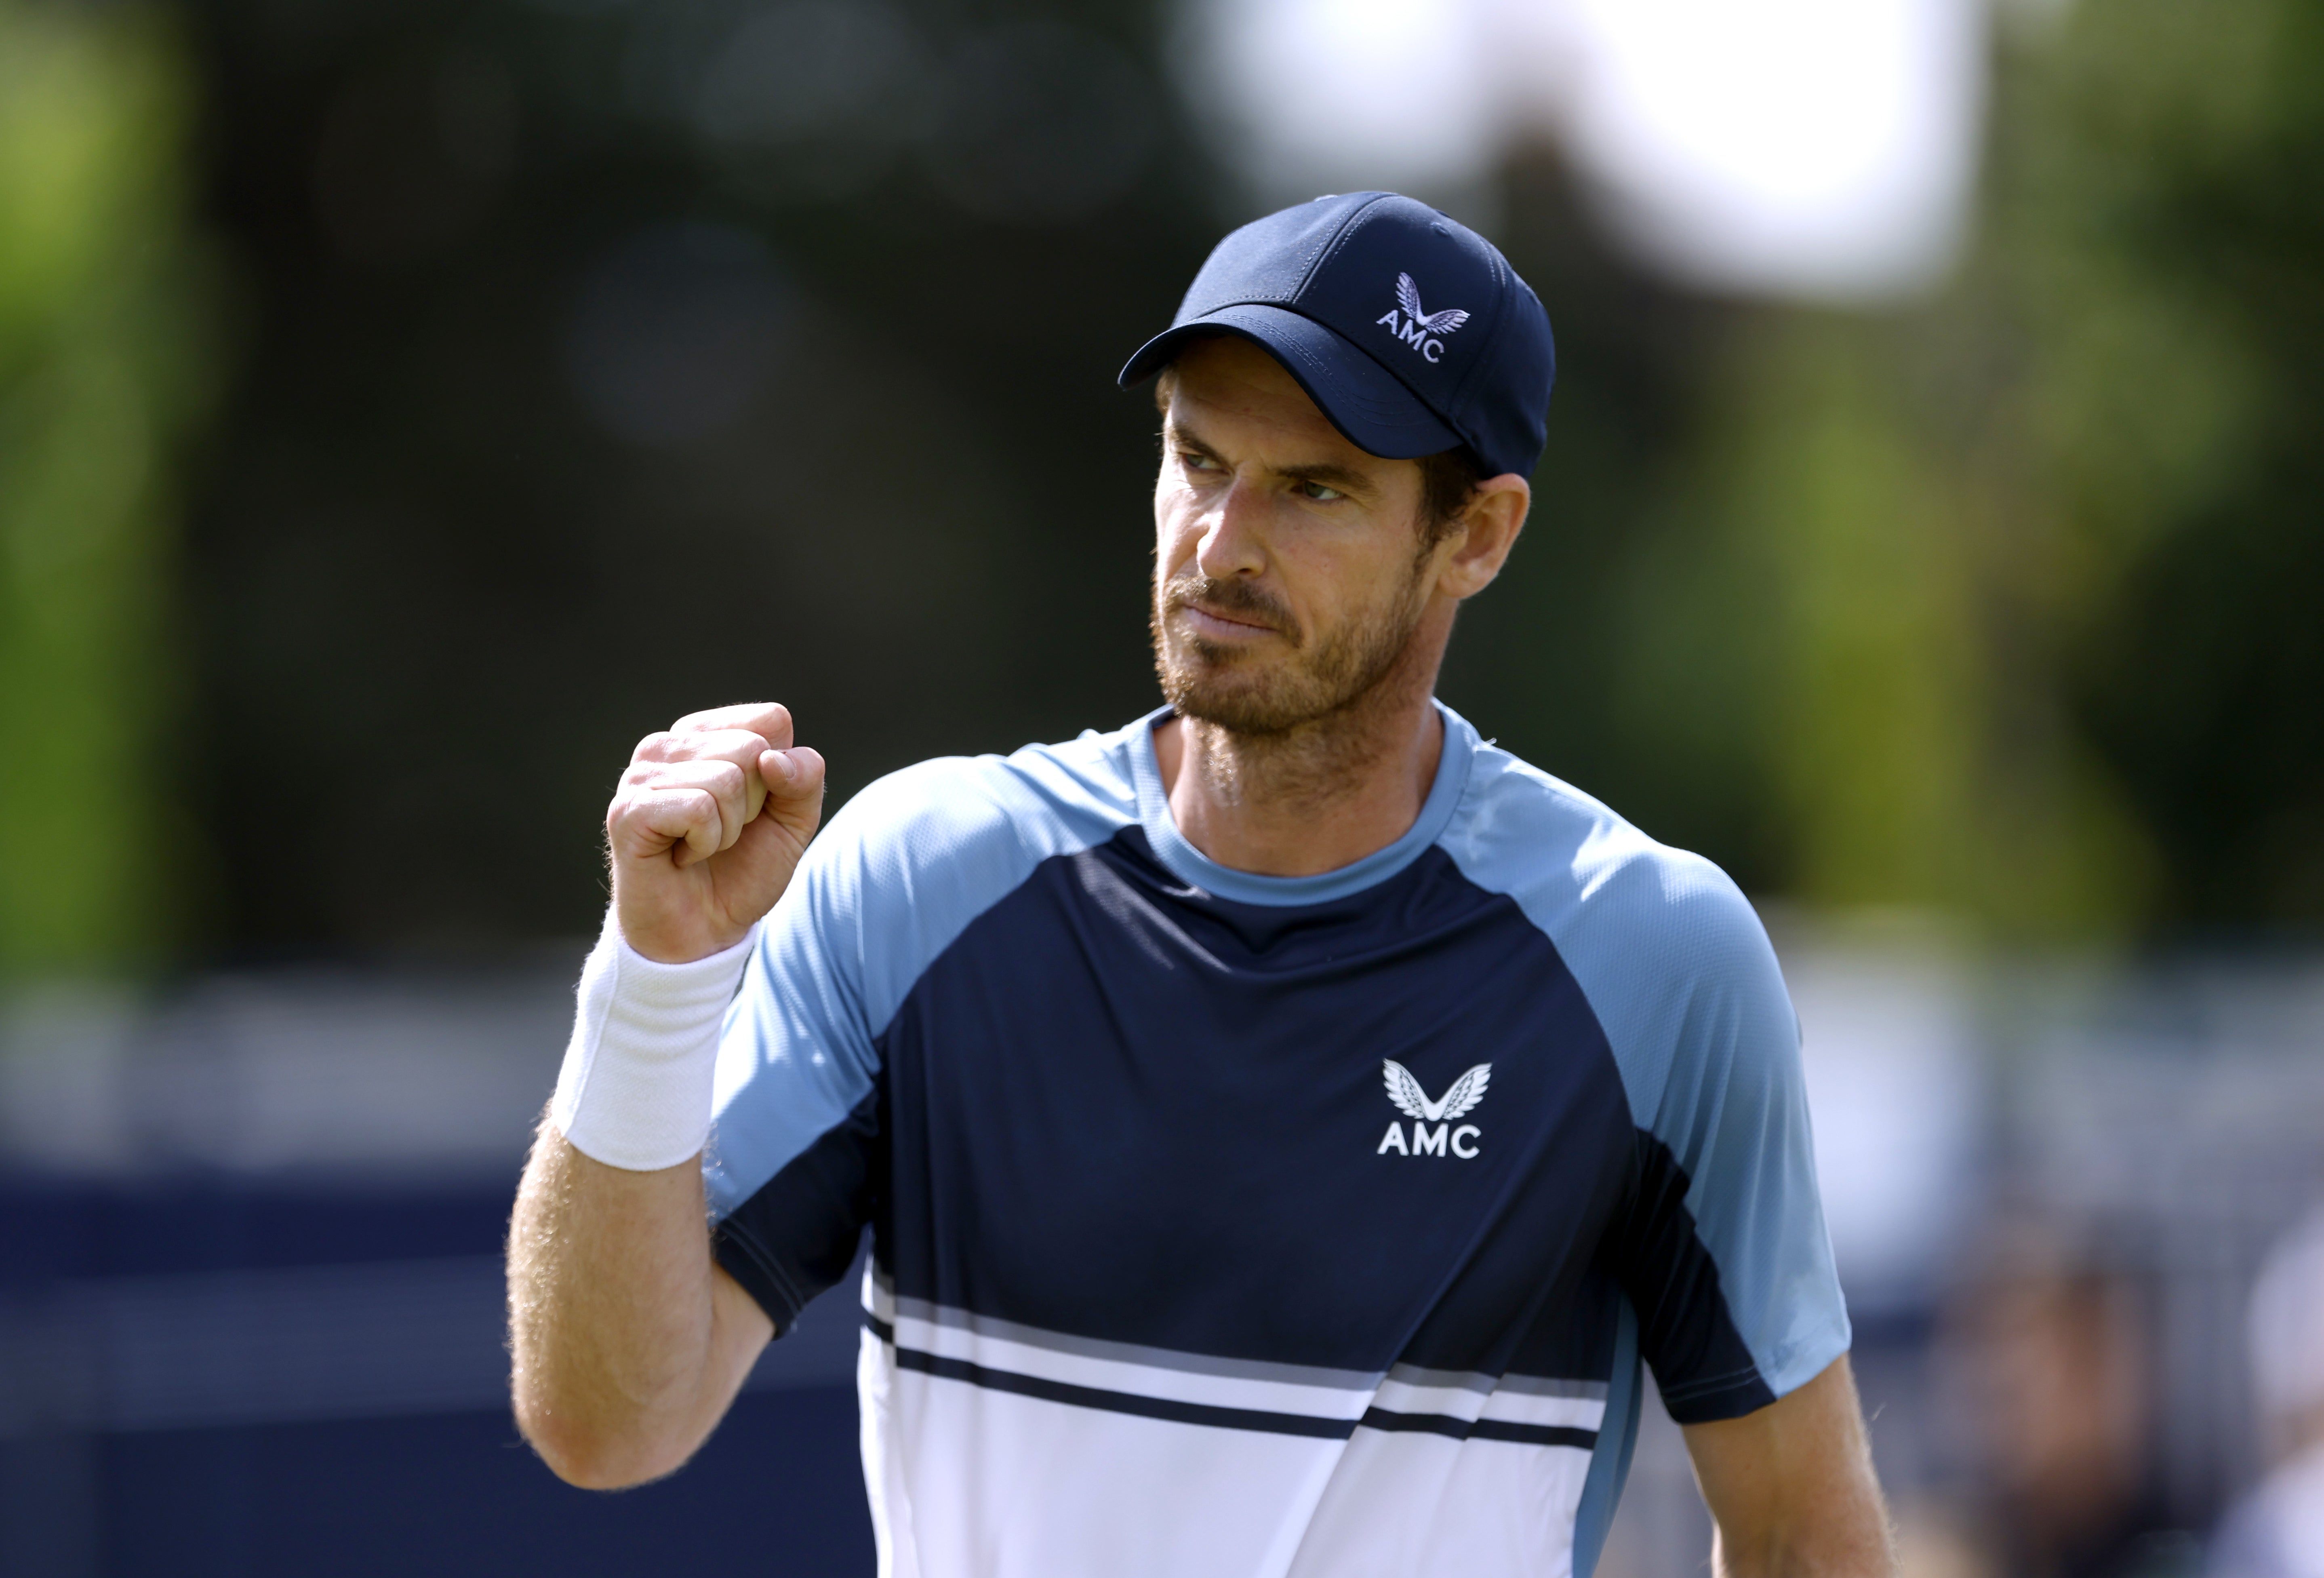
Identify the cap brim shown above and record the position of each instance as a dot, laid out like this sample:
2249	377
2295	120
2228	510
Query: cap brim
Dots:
1362	399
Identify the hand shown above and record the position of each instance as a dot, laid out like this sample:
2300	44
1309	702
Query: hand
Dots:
706	828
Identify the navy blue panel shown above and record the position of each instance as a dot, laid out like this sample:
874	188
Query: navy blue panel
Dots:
1133	1111
798	1234
1699	1361
1481	1429
1575	1331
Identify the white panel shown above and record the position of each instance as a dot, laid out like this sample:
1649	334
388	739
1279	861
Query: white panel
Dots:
1418	1506
972	1482
999	1486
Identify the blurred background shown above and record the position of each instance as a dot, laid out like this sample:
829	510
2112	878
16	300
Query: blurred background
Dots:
404	406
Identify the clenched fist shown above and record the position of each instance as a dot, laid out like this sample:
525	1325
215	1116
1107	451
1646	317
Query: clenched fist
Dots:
707	826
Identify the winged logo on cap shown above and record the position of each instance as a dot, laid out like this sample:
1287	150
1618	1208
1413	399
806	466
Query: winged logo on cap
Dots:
1407	296
1413	1102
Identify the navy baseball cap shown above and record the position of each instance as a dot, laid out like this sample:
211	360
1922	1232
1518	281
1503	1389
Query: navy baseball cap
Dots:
1408	329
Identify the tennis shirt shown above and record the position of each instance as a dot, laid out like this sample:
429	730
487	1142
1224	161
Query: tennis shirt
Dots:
1226	1224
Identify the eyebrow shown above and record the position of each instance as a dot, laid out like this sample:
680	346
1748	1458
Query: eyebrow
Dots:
1331	473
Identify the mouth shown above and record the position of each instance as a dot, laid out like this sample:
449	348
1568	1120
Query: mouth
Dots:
1210	626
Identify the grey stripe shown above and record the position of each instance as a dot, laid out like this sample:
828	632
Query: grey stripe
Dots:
1529	1386
1451	1380
959	1319
1356	1380
1543	1386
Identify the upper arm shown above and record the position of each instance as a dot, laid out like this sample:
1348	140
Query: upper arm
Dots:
1791	1485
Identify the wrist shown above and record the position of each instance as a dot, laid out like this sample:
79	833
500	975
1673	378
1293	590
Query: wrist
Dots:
686	937
634	1091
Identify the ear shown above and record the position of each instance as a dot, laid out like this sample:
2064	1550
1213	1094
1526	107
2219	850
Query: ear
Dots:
1475	550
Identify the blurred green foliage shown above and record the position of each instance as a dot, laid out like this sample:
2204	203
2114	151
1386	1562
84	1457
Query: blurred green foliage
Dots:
100	375
2001	605
2006	604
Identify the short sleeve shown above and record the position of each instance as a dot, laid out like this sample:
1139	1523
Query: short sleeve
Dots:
795	1162
792	1164
1719	1242
1723	1250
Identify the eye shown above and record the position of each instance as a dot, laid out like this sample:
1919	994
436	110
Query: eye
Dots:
1319	493
1193	462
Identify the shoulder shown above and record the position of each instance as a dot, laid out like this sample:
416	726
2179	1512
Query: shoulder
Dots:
913	859
908	862
1671	956
986	810
1569	859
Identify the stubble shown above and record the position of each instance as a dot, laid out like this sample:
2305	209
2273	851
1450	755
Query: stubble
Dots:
1296	725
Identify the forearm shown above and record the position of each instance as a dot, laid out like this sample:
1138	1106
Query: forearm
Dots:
1792	1489
627	1342
1859	1551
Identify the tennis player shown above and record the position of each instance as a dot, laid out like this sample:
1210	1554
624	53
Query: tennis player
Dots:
1285	1125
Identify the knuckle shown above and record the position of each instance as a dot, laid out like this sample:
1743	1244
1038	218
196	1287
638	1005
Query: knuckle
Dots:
724	749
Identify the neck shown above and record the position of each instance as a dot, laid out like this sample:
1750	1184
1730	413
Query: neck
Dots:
1317	796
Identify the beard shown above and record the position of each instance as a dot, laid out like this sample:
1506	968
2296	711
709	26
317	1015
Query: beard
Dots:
1325	673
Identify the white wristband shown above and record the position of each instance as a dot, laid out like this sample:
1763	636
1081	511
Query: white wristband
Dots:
634	1092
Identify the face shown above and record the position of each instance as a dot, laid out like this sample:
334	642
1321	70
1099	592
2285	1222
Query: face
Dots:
1290	576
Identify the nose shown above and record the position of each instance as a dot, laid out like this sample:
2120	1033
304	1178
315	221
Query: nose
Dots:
1232	543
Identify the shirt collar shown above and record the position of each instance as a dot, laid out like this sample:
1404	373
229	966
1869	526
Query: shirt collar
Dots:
1197	870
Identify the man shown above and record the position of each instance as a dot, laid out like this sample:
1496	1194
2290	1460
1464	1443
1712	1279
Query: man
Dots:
1284	1124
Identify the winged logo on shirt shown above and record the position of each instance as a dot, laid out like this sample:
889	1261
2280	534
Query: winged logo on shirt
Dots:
1434	1123
1413	1102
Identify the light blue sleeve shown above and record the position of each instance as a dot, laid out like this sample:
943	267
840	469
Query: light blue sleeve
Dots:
897	874
1680	974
